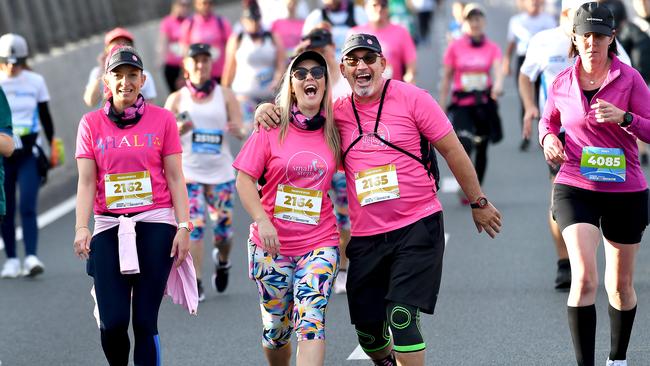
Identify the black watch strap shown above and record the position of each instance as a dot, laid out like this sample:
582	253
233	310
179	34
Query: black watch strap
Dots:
627	119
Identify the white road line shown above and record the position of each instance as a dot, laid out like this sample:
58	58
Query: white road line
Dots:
48	217
358	354
448	185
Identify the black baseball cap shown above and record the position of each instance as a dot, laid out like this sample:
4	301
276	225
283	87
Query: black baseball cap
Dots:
123	55
198	49
318	38
308	55
593	18
361	40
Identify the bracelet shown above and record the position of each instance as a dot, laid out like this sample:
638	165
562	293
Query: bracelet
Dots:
80	227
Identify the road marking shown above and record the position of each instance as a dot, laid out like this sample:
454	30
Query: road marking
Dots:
358	354
48	217
448	185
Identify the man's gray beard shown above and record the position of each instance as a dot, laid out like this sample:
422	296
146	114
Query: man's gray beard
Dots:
363	91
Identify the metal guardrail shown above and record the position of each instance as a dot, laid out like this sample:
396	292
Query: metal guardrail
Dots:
53	23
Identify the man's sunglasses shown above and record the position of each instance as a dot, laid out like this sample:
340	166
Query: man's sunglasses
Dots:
300	73
369	59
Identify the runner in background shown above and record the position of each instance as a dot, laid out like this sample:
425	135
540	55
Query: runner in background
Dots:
95	88
288	28
273	10
472	72
255	61
454	28
205	26
28	99
6	146
521	28
341	14
206	112
401	12
425	10
169	48
397	44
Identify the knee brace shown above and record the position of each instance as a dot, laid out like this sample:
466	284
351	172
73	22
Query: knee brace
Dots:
373	337
404	323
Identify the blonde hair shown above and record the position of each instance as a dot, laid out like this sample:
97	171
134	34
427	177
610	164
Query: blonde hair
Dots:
286	98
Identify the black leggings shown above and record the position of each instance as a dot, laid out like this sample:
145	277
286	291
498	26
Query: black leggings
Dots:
117	293
172	73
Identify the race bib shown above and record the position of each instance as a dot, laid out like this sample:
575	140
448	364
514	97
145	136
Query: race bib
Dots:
471	81
127	190
602	164
298	204
376	184
207	141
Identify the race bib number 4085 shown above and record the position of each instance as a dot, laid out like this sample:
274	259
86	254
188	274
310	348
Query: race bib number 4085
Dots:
126	190
603	164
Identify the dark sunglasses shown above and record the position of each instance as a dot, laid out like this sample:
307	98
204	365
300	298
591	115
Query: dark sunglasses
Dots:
369	59
300	73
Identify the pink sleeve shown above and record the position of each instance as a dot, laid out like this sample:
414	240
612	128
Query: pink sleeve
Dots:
640	108
449	58
84	141
550	121
172	141
164	28
429	118
254	154
184	37
496	53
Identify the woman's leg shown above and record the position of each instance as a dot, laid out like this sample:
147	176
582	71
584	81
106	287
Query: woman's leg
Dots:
480	159
582	241
619	282
29	182
9	221
197	216
219	202
313	279
154	243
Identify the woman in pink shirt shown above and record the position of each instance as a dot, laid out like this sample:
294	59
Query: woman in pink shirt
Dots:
293	246
129	160
473	71
169	47
603	106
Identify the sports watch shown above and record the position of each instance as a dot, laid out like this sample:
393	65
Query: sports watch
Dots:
627	119
481	202
187	225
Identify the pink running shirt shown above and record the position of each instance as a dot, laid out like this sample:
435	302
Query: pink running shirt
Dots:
289	31
213	30
471	65
303	160
140	147
396	45
170	27
408	111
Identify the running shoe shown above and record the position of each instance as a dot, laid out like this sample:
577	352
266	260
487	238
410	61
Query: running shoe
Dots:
11	268
616	363
32	266
563	278
199	286
525	143
221	269
340	281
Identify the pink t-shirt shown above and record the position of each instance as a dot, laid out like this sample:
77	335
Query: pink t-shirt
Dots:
289	31
567	107
408	111
170	28
138	148
303	160
213	30
471	66
396	45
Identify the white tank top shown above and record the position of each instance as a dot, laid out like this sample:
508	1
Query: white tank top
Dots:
206	155
255	67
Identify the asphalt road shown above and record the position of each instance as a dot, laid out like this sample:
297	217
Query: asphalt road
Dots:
496	306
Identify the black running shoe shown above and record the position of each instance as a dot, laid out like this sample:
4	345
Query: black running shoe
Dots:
563	278
525	143
199	286
220	276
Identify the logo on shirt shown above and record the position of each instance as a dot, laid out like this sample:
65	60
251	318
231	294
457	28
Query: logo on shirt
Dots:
369	143
147	140
306	169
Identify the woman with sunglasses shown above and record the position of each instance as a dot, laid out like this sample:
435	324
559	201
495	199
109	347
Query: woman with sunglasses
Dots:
472	68
293	247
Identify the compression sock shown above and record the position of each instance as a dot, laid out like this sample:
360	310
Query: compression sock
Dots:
582	323
386	361
620	323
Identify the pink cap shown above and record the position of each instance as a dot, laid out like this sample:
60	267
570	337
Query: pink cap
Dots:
118	33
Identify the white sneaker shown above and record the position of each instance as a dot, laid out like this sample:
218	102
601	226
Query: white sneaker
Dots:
32	266
11	269
339	283
616	363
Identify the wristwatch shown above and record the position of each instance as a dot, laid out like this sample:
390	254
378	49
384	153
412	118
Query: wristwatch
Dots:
187	225
481	202
627	119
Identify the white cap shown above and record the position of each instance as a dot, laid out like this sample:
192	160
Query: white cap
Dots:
13	47
574	4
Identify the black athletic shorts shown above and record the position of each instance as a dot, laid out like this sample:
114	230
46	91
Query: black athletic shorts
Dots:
552	171
623	216
403	266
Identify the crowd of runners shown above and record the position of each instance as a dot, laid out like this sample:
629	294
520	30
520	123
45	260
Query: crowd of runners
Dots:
339	165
